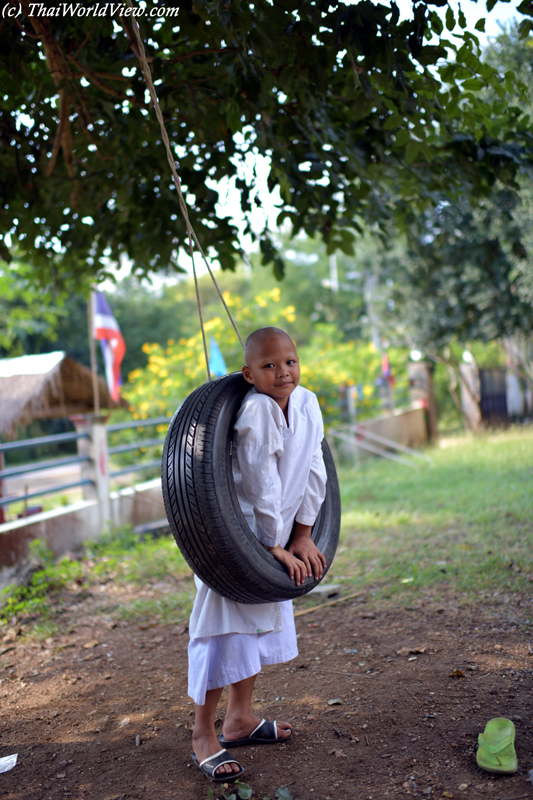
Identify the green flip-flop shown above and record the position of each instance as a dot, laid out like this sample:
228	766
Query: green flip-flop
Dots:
496	751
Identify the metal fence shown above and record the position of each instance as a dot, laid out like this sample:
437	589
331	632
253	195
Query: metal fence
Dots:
124	448
23	469
7	472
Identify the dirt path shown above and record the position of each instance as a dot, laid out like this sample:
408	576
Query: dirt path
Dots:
101	711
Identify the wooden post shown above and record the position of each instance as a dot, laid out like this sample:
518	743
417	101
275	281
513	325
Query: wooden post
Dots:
2	466
90	318
431	403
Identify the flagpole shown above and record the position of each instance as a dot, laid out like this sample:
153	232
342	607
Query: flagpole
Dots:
96	396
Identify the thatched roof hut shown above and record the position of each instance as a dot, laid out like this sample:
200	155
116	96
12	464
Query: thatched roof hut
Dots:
46	386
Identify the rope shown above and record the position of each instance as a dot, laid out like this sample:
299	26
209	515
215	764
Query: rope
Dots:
183	205
199	304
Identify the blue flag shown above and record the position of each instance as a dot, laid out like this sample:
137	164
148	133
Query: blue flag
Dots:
216	360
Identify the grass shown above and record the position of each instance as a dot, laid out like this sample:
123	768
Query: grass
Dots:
463	526
45	502
120	556
138	580
460	531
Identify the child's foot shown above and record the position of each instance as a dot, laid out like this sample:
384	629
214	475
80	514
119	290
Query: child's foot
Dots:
235	729
207	746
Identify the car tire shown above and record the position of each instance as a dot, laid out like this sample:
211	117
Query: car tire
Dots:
202	506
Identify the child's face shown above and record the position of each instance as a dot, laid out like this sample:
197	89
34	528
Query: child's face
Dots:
273	368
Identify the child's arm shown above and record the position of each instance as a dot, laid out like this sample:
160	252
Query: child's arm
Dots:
307	551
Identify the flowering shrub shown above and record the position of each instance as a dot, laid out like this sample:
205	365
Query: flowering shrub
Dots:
327	363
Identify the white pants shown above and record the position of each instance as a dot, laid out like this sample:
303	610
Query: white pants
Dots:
217	661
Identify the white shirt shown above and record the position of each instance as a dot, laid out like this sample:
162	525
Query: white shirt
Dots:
280	477
278	469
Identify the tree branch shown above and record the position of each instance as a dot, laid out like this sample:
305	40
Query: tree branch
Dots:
93	77
63	114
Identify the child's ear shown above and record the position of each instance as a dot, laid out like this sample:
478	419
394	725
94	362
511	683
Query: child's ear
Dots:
247	374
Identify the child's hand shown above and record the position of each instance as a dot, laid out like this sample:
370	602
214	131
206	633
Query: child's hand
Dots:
297	569
307	551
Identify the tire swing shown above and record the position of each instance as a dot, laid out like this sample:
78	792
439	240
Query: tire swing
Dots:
202	506
196	472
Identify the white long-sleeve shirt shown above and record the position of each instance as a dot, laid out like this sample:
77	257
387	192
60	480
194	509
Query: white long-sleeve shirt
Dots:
278	469
280	477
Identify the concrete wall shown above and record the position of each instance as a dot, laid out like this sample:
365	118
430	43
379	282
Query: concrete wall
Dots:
68	527
138	504
405	426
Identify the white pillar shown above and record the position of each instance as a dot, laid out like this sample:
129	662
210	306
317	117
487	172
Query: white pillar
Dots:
96	468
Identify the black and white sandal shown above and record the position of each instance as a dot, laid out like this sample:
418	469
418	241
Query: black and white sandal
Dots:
265	733
210	765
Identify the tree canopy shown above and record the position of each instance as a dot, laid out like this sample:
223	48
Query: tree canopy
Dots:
458	280
365	117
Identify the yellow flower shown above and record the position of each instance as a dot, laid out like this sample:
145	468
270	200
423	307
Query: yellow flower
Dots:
213	323
288	313
260	301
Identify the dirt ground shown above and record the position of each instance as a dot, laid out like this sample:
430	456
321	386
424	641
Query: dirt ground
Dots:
101	710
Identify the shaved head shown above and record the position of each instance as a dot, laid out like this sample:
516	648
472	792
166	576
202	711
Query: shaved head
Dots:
272	364
257	339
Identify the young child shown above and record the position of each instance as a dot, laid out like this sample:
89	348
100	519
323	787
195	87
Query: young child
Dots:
280	480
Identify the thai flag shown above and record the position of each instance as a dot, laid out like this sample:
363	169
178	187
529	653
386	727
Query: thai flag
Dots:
105	328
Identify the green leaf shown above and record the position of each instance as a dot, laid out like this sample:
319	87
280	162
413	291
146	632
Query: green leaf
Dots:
524	28
402	137
473	85
491	4
244	790
426	151
392	121
525	8
480	25
450	19
233	117
283	794
411	152
436	23
462	19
